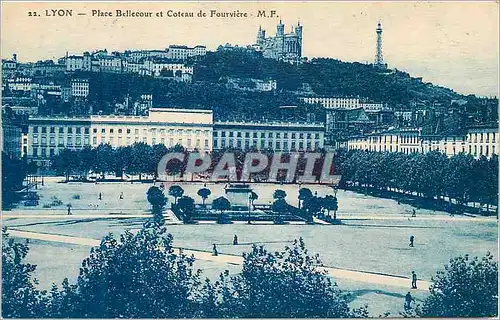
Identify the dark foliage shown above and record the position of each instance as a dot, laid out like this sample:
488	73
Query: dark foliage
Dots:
285	284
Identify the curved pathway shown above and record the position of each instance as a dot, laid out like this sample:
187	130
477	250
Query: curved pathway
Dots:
354	275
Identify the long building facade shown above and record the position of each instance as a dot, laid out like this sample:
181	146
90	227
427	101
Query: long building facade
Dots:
192	129
47	136
278	136
189	128
480	141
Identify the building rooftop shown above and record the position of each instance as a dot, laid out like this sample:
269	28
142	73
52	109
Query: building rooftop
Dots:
205	111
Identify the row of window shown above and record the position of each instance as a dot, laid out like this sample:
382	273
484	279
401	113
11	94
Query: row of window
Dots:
486	135
486	151
86	130
171	142
403	139
263	134
153	131
276	146
76	130
414	139
61	141
472	150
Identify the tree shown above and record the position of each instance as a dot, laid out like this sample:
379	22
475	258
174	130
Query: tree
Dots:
313	205
62	303
13	174
157	200
458	177
280	206
66	162
175	191
158	151
253	196
105	157
20	298
304	195
221	204
279	194
330	203
142	158
186	206
86	159
466	288
285	284
123	160
204	193
138	276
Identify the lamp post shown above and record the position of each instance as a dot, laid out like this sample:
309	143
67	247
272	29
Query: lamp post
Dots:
249	206
335	190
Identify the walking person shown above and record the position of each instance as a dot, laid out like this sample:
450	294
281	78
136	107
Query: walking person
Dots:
100	196
412	239
69	210
214	251
414	214
413	280
408	300
235	240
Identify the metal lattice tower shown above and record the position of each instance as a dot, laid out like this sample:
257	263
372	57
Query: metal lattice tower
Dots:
379	58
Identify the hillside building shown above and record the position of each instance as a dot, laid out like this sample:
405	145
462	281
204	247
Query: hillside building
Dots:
283	46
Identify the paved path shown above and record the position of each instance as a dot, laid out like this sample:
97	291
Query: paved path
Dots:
319	221
170	218
73	216
417	218
367	277
84	214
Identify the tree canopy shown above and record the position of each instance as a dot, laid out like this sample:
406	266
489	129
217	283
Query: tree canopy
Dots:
467	287
276	285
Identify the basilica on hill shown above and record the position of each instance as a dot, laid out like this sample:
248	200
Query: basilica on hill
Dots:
283	46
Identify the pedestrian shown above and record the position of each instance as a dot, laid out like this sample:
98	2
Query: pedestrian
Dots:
413	280
412	239
214	251
69	210
100	196
414	214
235	240
408	300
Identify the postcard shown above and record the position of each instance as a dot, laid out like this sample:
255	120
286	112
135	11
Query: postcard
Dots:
249	159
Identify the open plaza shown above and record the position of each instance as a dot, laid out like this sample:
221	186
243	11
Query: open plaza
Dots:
367	255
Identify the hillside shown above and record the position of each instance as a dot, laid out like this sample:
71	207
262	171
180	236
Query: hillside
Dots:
327	77
227	104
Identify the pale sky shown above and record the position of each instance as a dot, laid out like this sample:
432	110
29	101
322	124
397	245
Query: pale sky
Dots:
454	44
